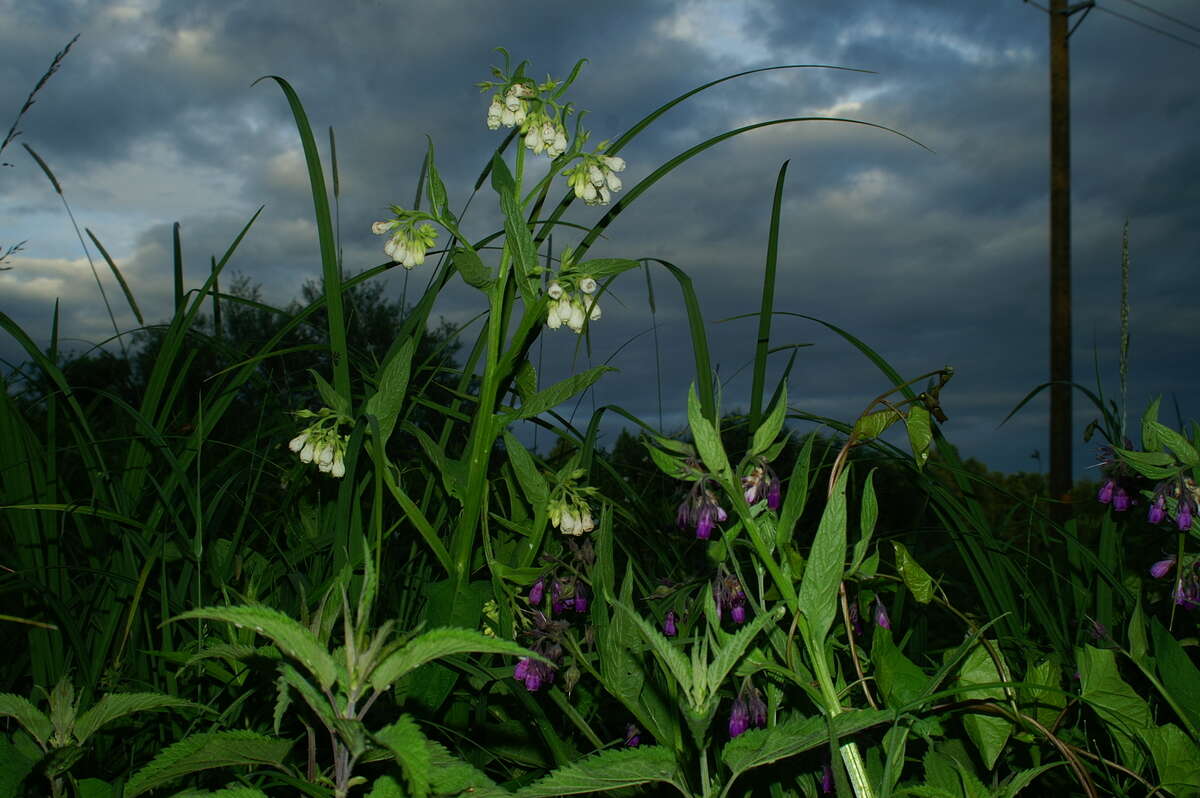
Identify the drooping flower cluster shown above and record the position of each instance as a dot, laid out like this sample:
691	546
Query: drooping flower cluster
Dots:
568	507
1120	483
762	483
1186	592
594	178
568	309
321	443
700	510
509	107
749	711
547	638
670	626
729	596
1178	498
407	241
564	584
531	108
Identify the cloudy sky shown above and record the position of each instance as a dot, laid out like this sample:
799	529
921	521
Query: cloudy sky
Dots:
932	257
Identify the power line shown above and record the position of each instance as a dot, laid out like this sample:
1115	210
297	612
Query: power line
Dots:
1176	20
1139	23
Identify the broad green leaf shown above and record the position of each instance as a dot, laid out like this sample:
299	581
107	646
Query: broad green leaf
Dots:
293	639
769	430
1044	705
610	770
1176	758
118	705
406	742
1178	444
872	425
329	395
437	644
32	719
671	657
707	438
450	775
1124	712
472	268
387	786
901	681
1180	676
205	752
758	747
919	433
560	392
919	583
386	402
988	732
1152	464
318	703
671	465
537	492
14	767
823	571
735	646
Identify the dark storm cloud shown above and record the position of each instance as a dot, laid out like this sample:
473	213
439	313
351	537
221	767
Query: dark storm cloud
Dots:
931	257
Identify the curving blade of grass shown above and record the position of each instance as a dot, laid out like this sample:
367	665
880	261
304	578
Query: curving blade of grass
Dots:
767	305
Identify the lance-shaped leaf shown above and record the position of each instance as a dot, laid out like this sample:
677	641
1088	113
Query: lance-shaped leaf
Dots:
436	644
290	636
1152	464
601	268
920	435
758	747
1178	444
385	403
671	658
32	719
872	425
707	438
118	705
450	775
205	752
766	433
823	572
916	578
610	770
533	484
734	647
472	268
558	393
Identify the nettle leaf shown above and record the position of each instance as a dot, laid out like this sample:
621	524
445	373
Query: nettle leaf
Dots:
406	742
290	636
205	752
735	646
671	657
560	392
823	571
533	484
14	767
386	402
872	425
916	579
118	705
707	438
988	732
610	770
32	719
758	747
437	644
449	775
920	435
318	703
769	430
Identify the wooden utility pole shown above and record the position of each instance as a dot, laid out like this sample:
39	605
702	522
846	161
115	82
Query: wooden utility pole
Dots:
1061	438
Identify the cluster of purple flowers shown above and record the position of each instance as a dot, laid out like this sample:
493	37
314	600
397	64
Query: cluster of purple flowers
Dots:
749	711
700	510
566	591
1186	592
1183	491
1120	484
729	597
761	483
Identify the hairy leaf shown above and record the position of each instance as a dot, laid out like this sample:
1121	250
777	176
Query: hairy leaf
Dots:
609	770
406	742
30	717
118	705
205	752
436	644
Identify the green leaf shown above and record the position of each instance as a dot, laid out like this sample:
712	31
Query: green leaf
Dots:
1152	464
901	681
707	438
32	719
769	430
823	571
332	399
406	742
452	471
796	495
734	647
537	492
205	752
920	435
1180	676
293	638
118	705
758	747
1022	779
1124	712
449	775
872	425
1048	703
472	268
386	402
1150	441
1176	758
672	659
601	268
671	465
438	644
988	732
918	582
14	767
318	703
437	189
609	770
518	239
867	517
1178	444
560	392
